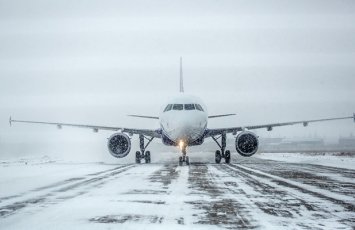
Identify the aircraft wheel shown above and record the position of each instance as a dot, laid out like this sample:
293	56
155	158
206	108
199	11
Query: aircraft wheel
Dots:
227	157
138	157
147	157
218	157
187	160
180	161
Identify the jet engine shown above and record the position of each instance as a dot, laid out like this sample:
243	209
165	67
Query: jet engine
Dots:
119	145
246	143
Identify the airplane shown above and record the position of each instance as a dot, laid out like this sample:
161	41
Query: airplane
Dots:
183	123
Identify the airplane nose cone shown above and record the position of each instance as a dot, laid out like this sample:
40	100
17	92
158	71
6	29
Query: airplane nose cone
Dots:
187	129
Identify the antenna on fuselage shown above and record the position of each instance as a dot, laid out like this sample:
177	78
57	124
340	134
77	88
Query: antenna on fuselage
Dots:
181	77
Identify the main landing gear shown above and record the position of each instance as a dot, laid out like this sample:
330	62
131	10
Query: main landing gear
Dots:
226	154
143	154
184	158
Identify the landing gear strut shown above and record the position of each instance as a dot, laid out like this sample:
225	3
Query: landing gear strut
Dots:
184	158
143	154
223	153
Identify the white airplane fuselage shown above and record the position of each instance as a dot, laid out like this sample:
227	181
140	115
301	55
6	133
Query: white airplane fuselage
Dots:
183	121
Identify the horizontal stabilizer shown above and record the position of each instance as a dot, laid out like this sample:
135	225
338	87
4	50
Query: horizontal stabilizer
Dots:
140	116
222	115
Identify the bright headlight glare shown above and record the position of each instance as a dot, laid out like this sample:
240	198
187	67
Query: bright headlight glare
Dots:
181	144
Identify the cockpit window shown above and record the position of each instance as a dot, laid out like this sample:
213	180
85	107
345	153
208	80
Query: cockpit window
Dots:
168	107
178	107
189	107
199	107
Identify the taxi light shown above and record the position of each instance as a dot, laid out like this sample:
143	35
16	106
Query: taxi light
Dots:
181	144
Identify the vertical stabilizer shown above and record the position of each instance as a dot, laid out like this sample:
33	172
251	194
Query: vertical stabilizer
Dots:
181	77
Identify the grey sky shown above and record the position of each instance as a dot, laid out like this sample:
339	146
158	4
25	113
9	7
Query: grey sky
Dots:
95	61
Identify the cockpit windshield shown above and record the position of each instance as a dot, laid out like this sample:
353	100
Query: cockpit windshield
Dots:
168	107
178	107
199	107
183	107
189	107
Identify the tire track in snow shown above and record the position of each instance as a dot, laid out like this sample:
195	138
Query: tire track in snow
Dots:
338	199
286	204
336	180
61	191
218	208
57	184
162	189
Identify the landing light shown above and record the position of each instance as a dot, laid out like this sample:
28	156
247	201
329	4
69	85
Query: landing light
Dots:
181	144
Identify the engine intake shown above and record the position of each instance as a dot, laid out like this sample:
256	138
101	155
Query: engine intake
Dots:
119	145
246	143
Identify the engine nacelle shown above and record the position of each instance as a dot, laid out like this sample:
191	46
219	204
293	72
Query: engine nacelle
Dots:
119	145
246	143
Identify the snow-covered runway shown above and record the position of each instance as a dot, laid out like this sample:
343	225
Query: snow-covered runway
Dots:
250	193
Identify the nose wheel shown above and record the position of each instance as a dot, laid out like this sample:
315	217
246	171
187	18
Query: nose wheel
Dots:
184	158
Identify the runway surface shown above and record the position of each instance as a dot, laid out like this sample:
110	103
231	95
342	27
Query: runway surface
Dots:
250	193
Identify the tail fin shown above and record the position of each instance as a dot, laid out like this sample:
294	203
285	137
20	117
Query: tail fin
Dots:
181	77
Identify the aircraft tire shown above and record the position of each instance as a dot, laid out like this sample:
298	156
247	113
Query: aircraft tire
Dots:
180	161
138	157
147	157
218	157
227	157
187	160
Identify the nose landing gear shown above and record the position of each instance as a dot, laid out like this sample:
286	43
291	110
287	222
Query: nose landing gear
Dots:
184	158
226	154
143	154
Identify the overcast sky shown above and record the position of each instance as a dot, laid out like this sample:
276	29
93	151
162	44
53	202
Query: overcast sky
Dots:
96	61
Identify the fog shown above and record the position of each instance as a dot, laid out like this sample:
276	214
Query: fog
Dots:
94	62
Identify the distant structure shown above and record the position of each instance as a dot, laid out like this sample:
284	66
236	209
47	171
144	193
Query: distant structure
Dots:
309	144
347	141
303	142
271	140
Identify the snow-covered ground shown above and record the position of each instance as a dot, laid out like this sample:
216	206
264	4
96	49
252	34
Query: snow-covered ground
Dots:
255	193
24	174
326	159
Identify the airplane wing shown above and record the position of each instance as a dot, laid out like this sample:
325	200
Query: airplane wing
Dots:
222	115
143	116
96	128
269	127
